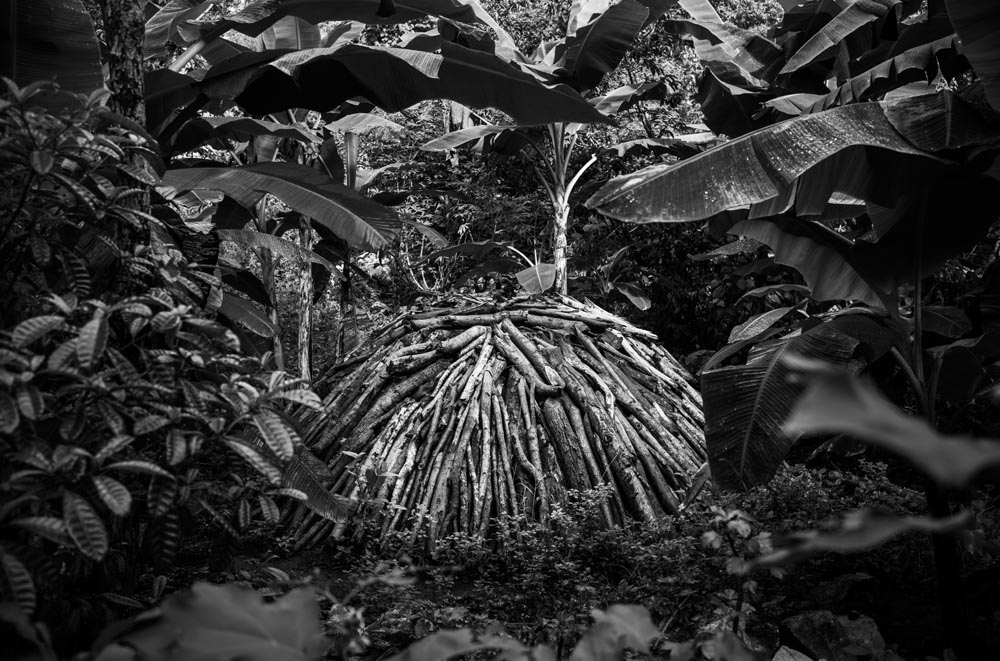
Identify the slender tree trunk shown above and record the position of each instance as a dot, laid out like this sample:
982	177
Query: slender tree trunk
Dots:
124	32
305	306
268	266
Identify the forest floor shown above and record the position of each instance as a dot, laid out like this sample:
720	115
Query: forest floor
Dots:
541	587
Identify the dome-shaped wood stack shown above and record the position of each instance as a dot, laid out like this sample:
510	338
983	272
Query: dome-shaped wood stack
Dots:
451	418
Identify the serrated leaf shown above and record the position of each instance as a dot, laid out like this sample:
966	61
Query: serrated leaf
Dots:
49	527
93	339
114	494
35	328
263	465
16	584
278	436
84	526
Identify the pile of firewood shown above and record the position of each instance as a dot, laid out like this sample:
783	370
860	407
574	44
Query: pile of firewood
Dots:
478	418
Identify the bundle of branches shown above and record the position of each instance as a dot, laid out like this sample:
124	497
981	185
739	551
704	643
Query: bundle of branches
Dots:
478	419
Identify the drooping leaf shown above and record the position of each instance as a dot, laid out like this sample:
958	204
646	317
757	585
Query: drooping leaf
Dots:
839	403
84	526
201	130
362	123
859	531
537	278
300	476
93	339
758	324
977	24
322	78
35	328
231	622
746	405
597	47
290	32
634	294
755	168
51	39
463	137
366	225
729	109
252	456
16	584
161	28
945	320
114	494
245	314
278	436
854	17
139	466
289	249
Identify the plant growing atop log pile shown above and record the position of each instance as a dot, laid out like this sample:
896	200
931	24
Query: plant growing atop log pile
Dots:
472	419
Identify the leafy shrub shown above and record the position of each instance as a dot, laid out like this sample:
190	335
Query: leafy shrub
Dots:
122	406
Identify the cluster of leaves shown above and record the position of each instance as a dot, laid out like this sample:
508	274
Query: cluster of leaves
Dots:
122	402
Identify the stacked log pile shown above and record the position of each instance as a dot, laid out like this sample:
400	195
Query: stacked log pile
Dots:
473	419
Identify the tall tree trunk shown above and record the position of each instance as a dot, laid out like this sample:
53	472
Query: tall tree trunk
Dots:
124	32
305	305
559	242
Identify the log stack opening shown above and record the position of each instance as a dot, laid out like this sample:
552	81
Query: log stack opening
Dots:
478	419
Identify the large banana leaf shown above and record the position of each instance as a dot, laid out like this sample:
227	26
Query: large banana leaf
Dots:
162	27
597	47
746	405
756	168
46	39
290	32
277	245
978	26
836	33
364	224
393	79
206	129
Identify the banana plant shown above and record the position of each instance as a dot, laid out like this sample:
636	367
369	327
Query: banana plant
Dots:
599	34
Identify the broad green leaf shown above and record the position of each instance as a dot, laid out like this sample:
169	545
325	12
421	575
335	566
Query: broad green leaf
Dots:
362	123
729	109
35	328
205	129
597	47
49	527
442	645
244	313
16	584
51	39
840	403
231	622
270	82
614	630
634	294
93	340
945	320
755	168
853	18
261	464
289	249
114	494
364	224
278	436
84	526
758	324
746	405
537	278
859	531
290	32
161	28
463	137
301	476
977	24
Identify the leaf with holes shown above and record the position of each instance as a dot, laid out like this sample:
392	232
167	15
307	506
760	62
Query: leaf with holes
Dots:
278	436
93	341
85	526
16	584
114	494
35	328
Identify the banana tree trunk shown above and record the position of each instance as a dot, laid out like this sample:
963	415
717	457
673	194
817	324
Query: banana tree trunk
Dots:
268	266
305	306
559	241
